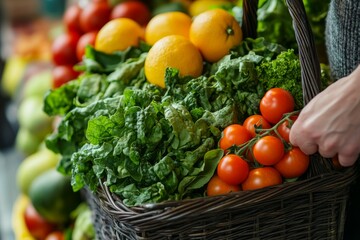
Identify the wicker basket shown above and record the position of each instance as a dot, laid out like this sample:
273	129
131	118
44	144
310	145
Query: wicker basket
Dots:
312	208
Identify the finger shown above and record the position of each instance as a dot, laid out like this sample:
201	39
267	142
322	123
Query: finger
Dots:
308	148
294	135
347	161
327	153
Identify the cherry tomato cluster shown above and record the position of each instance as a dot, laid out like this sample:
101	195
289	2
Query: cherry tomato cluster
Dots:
82	24
258	153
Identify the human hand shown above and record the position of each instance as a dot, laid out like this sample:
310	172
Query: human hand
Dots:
330	122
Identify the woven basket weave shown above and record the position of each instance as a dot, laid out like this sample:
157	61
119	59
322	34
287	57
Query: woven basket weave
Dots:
312	208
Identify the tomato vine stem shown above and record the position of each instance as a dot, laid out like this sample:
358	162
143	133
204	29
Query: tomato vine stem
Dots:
243	149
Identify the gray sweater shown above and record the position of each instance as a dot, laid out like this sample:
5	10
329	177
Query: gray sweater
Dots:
343	36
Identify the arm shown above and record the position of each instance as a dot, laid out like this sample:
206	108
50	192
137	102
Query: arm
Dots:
330	123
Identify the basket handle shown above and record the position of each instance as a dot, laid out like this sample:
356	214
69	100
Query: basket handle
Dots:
309	61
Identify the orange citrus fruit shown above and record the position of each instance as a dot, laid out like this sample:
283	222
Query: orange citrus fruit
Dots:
215	32
118	35
165	24
173	51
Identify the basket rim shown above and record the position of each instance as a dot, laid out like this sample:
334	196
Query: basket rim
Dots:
111	203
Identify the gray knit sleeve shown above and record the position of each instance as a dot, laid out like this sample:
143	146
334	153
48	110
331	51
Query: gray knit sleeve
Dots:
343	36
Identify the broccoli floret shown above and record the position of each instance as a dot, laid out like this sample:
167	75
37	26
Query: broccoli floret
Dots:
283	72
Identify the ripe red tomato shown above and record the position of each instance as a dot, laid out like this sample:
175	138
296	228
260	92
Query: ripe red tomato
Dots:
134	10
94	16
284	129
84	40
255	120
64	49
232	169
216	186
71	18
234	134
57	235
268	150
36	224
262	177
275	103
293	164
63	74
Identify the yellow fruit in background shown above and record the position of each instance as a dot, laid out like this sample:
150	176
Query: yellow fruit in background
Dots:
34	165
165	24
215	32
172	51
14	70
118	35
19	227
200	6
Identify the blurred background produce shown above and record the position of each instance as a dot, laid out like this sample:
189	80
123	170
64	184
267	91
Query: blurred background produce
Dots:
41	42
275	23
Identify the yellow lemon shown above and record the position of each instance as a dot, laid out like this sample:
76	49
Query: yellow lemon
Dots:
165	24
172	51
118	35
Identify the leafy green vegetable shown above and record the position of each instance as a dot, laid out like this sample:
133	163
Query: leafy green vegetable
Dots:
100	62
83	226
283	72
275	23
150	144
67	94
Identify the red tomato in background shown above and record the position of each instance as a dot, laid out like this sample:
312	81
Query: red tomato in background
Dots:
71	18
268	150
284	129
216	186
134	10
232	169
36	224
275	103
336	163
57	235
84	40
255	120
63	74
64	49
293	164
262	177
234	134
94	16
